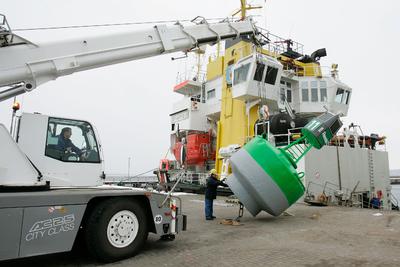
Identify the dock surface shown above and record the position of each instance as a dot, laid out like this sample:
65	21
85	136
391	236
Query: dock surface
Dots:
309	236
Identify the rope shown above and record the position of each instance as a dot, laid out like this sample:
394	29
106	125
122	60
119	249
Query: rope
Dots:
137	175
107	25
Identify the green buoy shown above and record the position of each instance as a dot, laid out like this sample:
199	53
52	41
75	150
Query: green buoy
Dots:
265	177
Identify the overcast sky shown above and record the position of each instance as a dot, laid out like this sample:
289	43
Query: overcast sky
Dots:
130	103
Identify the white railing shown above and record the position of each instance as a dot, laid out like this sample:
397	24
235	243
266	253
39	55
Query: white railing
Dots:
194	75
272	137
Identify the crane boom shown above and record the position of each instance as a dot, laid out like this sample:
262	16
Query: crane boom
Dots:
24	65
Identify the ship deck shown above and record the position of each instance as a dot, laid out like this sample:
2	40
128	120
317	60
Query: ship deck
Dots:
308	236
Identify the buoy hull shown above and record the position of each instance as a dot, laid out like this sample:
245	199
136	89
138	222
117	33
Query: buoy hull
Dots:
263	179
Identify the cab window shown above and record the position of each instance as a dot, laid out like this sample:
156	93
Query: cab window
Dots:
270	77
346	97
71	141
339	95
259	72
240	74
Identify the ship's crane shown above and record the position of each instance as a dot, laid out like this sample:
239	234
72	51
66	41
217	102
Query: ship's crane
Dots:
115	222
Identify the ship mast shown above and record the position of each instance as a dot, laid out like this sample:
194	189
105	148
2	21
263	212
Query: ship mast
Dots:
243	9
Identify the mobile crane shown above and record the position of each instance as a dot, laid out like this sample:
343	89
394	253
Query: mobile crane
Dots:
48	196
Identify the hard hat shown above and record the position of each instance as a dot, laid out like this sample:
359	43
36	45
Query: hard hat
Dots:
213	171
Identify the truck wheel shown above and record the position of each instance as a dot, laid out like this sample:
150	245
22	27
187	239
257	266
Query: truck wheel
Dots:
116	229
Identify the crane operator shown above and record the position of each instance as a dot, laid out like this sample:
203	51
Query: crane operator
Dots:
65	144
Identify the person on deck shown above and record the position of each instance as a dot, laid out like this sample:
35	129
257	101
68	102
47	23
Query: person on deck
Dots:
211	193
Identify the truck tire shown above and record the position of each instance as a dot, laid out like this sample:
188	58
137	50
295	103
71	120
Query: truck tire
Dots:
116	229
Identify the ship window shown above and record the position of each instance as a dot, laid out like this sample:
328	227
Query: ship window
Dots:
270	78
323	91
304	95
314	91
71	141
195	98
259	72
339	95
283	94
211	94
289	85
283	82
289	96
240	74
314	84
323	94
314	95
346	97
304	91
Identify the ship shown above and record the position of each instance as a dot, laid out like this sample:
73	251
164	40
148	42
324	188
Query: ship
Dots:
270	88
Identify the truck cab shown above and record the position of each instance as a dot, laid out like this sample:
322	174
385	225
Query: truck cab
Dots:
66	151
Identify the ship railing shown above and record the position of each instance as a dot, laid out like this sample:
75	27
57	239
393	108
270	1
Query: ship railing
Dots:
278	45
149	181
394	180
343	140
113	179
343	193
292	135
326	71
194	178
194	75
297	71
287	138
295	133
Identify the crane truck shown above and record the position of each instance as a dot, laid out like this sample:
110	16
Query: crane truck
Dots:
48	196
